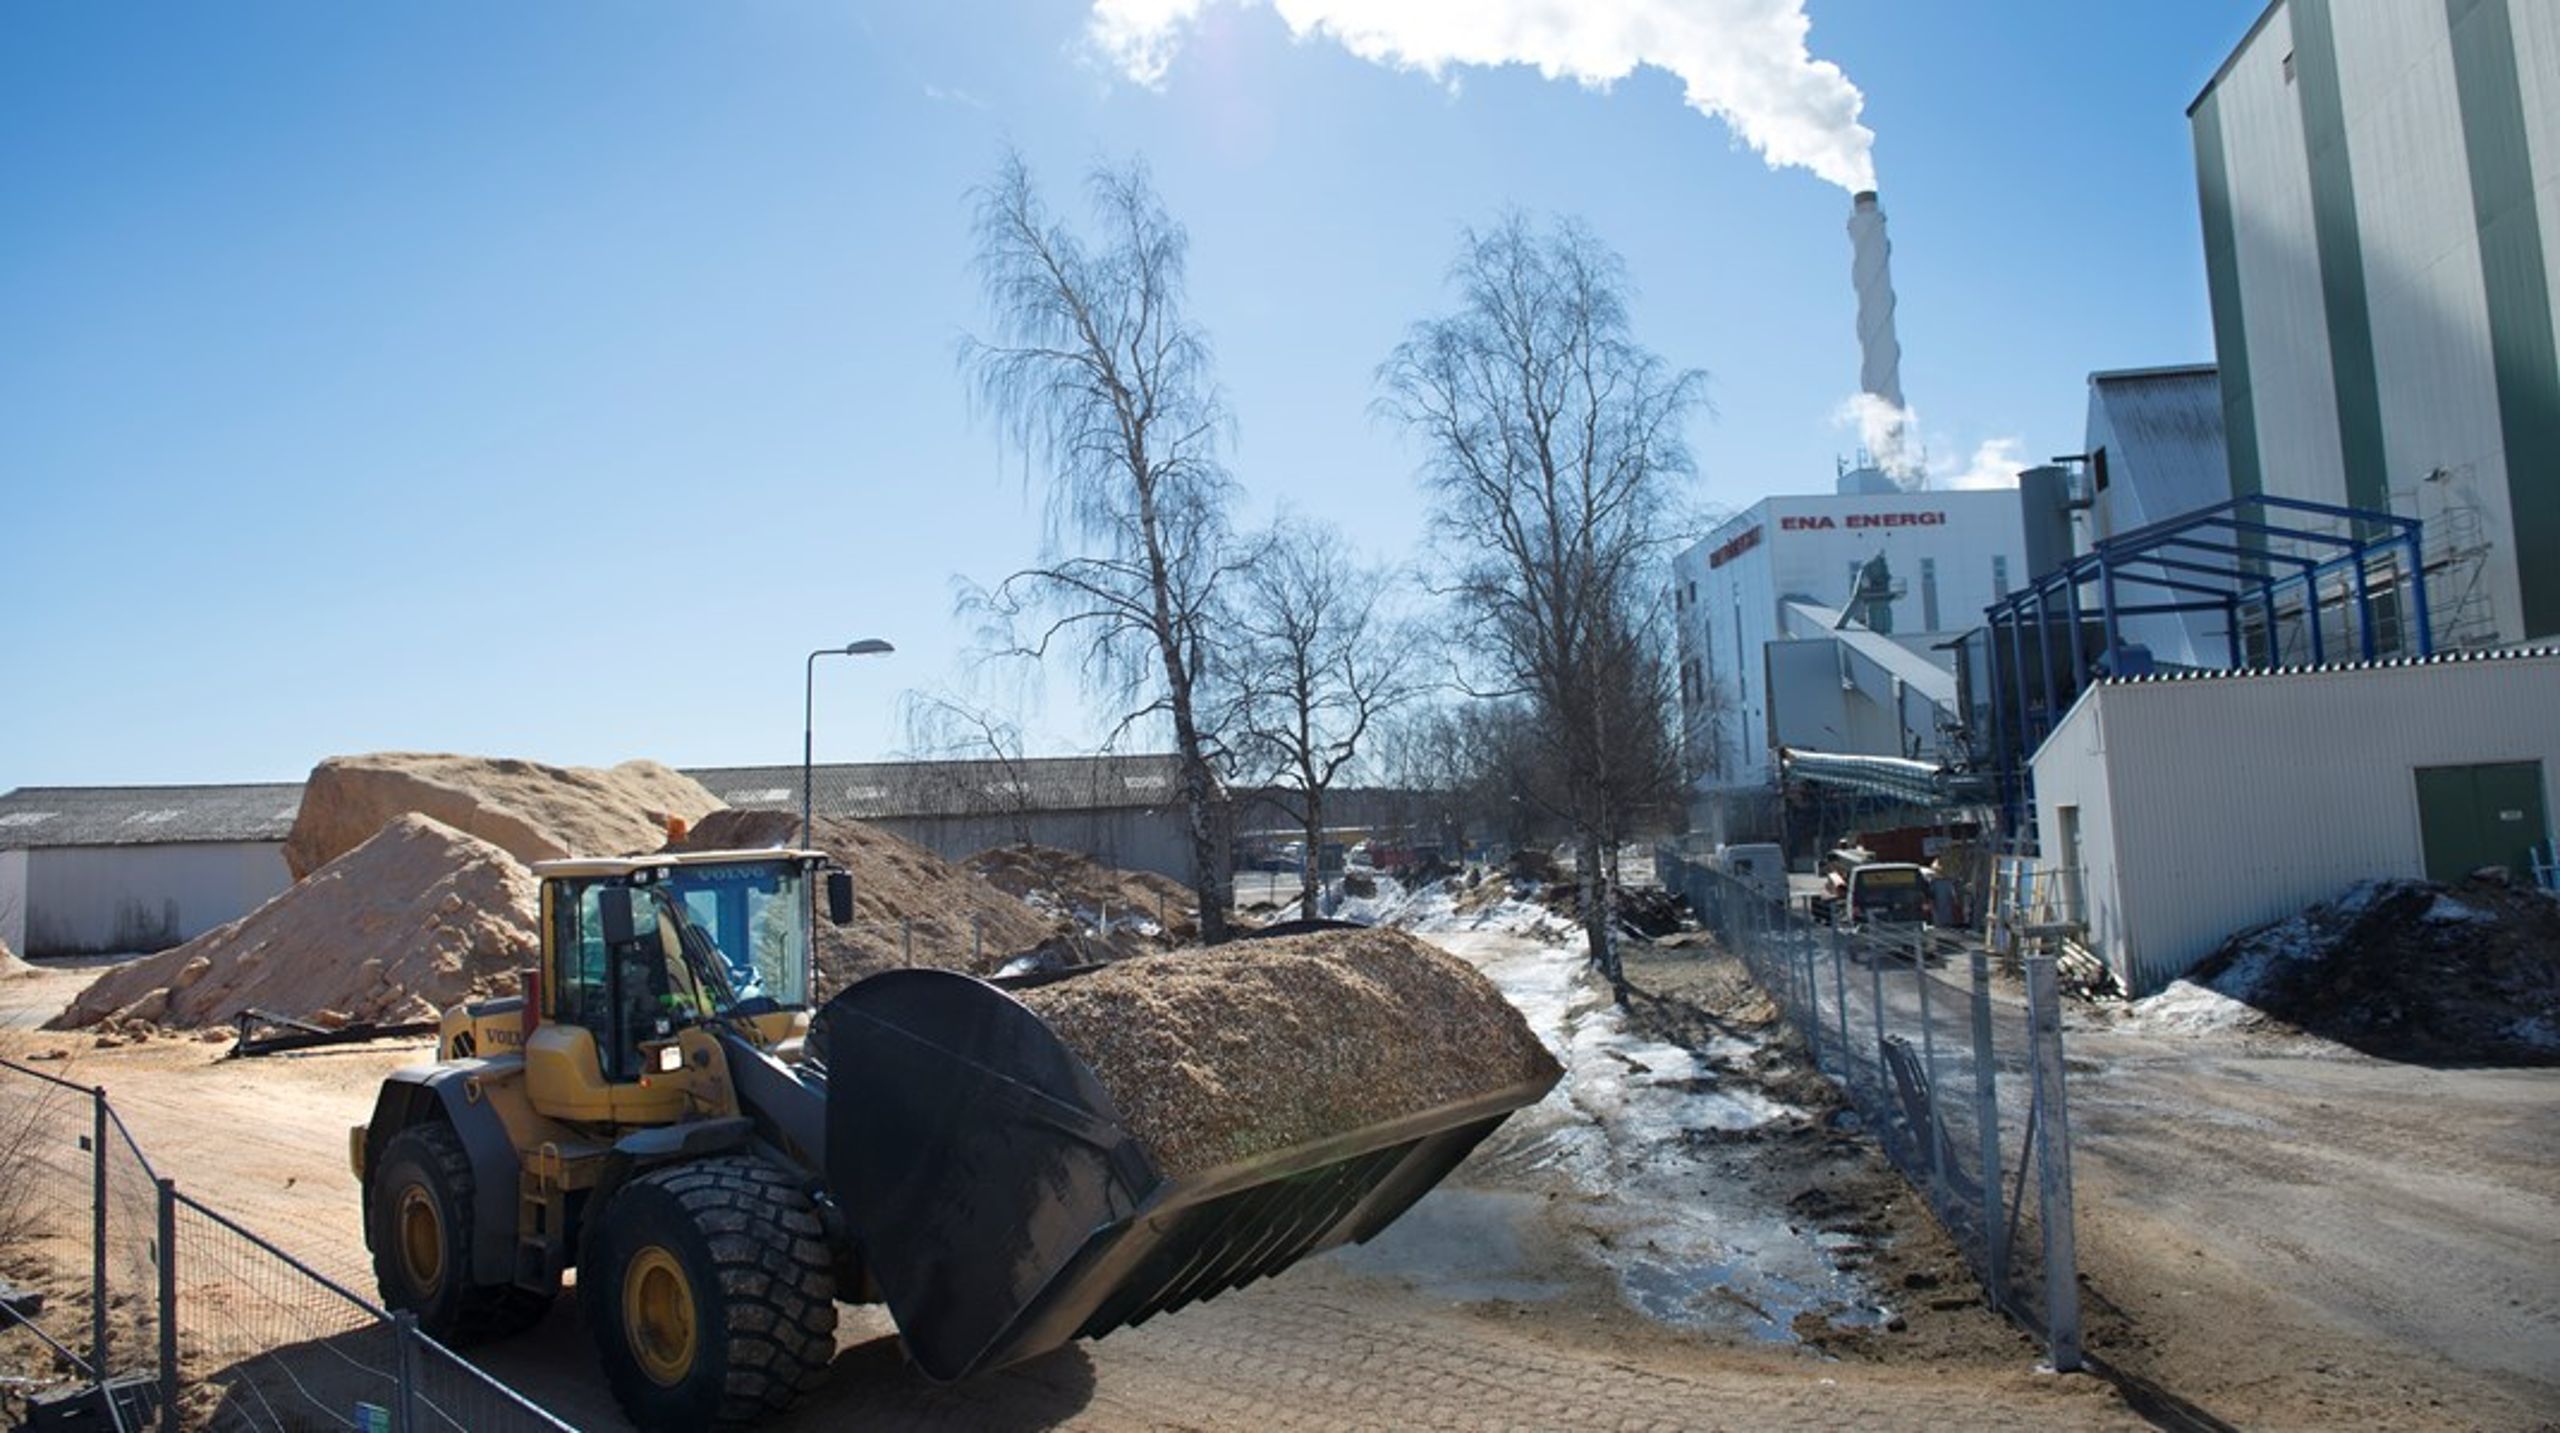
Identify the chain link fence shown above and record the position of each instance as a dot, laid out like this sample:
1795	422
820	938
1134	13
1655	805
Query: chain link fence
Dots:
1955	1066
161	1312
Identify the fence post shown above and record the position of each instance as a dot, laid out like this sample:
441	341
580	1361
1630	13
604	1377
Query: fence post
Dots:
1840	995
98	1233
1884	1069
2053	1167
1929	1063
404	1342
1802	970
169	1419
907	940
977	941
1986	1115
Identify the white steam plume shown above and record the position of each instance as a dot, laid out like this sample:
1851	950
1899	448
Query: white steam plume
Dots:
1996	464
1891	436
1743	61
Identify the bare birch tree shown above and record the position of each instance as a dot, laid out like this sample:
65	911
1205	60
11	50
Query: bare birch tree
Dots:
1319	663
944	726
1553	450
1100	379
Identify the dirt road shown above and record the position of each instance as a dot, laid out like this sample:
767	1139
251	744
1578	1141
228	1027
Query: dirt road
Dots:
1483	1309
2286	1234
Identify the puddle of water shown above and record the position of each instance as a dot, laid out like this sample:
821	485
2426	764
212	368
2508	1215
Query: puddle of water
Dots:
1463	1245
1683	1248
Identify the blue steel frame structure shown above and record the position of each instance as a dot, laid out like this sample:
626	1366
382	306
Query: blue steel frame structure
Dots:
2232	558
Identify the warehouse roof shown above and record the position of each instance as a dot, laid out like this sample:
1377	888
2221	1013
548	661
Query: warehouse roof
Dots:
42	816
882	789
2309	669
146	815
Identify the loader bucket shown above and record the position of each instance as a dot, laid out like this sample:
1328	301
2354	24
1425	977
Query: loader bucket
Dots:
1004	1209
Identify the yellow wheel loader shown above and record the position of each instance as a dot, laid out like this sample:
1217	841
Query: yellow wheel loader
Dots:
656	1115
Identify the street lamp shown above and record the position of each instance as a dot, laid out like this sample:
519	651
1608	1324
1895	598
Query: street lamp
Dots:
867	647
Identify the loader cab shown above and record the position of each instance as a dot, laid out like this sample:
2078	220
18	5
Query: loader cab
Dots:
637	952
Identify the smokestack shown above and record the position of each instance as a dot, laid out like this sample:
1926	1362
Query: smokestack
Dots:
1879	351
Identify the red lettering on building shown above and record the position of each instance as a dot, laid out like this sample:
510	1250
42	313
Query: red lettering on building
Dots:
1735	548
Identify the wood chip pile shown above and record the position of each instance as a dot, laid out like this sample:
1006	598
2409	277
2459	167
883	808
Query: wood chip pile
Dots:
532	811
895	881
1215	1056
1085	891
417	918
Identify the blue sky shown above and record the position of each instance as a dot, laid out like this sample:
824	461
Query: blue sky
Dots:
546	379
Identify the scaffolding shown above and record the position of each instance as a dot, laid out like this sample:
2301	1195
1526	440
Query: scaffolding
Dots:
2280	572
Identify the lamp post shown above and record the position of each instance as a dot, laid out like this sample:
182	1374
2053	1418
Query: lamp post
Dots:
867	647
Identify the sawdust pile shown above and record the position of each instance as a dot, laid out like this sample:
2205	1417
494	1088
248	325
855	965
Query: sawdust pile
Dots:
532	811
409	922
10	964
1157	909
895	881
1219	1055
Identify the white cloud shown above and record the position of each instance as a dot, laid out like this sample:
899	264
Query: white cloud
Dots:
1996	463
1743	62
942	95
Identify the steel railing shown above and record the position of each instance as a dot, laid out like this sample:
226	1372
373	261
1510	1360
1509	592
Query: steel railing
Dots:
171	1314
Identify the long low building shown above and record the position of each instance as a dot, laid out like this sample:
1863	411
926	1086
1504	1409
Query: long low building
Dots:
2177	810
1124	811
87	870
92	870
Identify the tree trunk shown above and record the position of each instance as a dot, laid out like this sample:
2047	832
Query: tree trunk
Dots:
1309	869
1596	931
1208	858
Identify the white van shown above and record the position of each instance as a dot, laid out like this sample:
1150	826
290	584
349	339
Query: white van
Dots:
1760	865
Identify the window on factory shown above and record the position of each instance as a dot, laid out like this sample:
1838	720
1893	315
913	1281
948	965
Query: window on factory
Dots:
1999	574
2098	470
1929	593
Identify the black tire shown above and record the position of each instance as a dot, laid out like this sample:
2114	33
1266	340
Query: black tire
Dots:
423	1237
710	1294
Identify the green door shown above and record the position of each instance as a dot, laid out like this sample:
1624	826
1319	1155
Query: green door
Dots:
2474	816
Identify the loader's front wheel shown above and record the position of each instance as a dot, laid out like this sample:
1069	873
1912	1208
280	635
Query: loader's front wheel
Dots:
710	1294
422	1240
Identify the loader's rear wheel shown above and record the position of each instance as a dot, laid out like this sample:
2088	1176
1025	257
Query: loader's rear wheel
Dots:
423	1239
710	1294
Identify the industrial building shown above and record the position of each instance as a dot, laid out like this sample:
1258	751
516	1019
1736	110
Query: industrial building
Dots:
2380	188
1124	811
97	869
2180	808
2155	452
1816	622
111	869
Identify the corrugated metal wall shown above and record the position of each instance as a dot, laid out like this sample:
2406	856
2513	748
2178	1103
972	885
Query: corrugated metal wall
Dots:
13	900
1133	840
2204	809
87	900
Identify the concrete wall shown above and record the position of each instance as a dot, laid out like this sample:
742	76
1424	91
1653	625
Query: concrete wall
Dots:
84	900
2200	813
